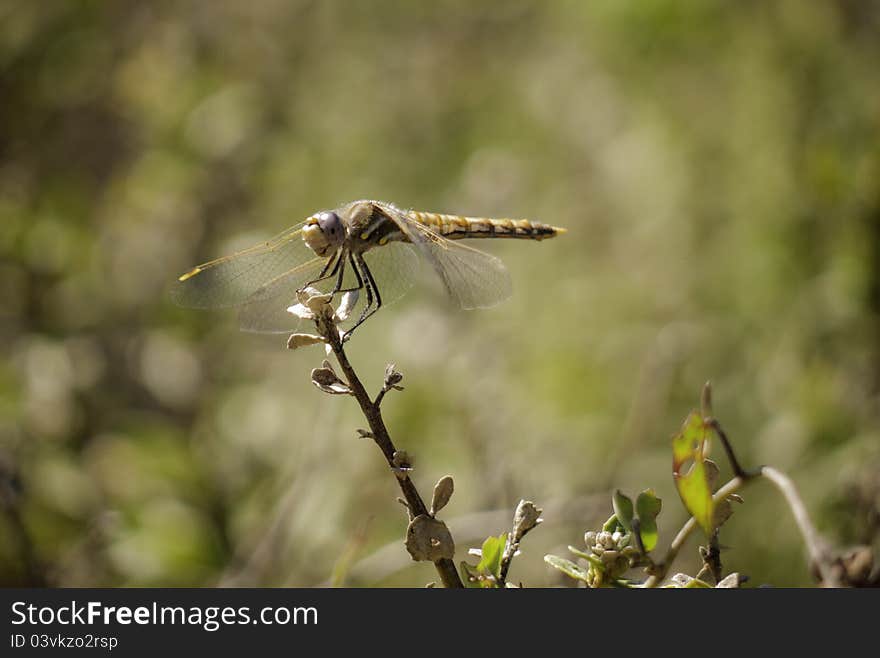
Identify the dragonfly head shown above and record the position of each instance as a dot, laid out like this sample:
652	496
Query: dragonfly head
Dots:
324	232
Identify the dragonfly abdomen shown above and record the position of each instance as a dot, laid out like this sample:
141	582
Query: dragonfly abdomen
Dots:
456	227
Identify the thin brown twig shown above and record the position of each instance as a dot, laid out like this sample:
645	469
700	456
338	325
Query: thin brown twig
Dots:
445	567
821	555
381	395
525	519
712	558
819	552
509	551
738	470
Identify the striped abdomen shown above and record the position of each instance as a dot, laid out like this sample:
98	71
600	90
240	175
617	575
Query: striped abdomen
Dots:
455	227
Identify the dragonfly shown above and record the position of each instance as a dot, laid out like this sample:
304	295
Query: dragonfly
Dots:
365	246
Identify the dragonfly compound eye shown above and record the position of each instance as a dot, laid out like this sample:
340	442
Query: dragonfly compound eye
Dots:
324	233
330	224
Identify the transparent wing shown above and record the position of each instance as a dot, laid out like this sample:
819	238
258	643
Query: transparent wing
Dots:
233	280
265	310
394	267
473	278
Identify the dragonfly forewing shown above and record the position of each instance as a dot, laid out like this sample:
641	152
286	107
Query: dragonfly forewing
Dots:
233	280
265	310
393	268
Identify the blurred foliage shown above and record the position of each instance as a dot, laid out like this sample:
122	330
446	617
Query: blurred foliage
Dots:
717	165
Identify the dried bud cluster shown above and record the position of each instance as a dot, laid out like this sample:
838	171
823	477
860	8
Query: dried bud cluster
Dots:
401	463
526	517
442	493
326	379
429	539
392	379
315	305
614	551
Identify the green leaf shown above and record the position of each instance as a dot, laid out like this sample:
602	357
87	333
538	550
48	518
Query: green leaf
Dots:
612	524
567	567
623	509
694	488
493	549
469	575
647	508
592	559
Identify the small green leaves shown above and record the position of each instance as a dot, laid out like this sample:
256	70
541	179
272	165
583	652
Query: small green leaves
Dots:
592	559
470	576
488	572
568	567
647	508
609	553
622	544
497	553
642	517
493	549
623	509
612	524
694	487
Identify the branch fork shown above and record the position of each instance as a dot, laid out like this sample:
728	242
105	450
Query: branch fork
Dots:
427	537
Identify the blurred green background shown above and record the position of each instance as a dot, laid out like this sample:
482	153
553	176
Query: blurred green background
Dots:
717	165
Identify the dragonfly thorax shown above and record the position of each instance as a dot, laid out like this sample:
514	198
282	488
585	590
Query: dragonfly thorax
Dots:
324	233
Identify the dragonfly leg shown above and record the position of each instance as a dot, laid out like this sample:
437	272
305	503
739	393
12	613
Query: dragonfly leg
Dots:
341	275
374	299
372	285
357	274
336	261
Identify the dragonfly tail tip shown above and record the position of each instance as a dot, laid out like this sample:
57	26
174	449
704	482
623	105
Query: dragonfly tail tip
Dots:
189	275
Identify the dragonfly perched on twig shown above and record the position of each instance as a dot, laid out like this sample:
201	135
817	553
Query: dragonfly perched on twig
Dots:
369	246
